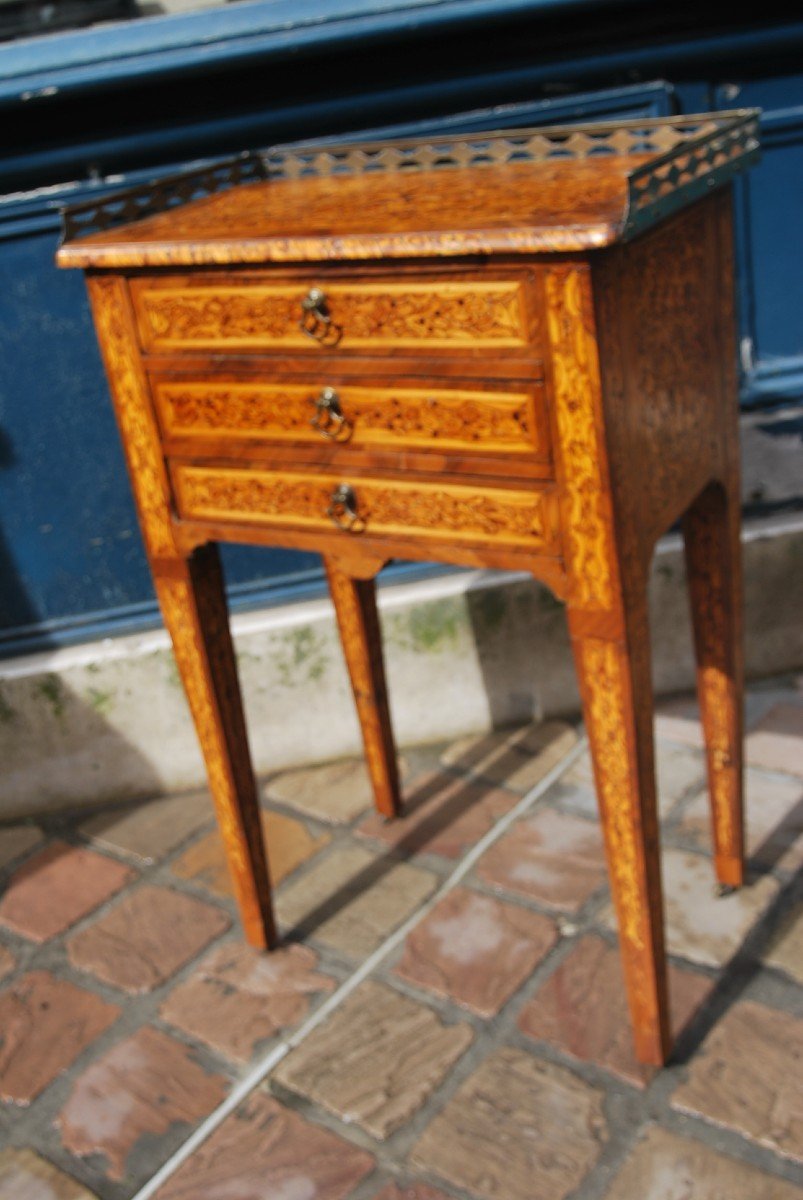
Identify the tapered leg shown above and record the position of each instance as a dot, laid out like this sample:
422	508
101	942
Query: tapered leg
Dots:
193	603
618	708
358	621
713	560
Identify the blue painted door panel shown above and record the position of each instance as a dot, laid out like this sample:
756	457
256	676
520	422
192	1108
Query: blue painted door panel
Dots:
770	233
71	559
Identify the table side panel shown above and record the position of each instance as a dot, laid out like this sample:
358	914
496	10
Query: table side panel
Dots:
667	341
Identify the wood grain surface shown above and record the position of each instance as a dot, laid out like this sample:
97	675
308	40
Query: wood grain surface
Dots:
554	206
433	312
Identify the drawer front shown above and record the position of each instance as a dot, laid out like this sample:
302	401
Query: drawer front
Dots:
258	315
432	512
355	416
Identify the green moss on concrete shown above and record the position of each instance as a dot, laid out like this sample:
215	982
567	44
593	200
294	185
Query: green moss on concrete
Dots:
101	702
173	677
302	656
435	627
51	689
7	713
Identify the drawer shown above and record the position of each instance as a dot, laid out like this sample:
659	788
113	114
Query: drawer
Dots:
430	512
217	415
264	314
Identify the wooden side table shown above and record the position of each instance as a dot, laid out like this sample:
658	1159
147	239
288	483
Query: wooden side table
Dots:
511	351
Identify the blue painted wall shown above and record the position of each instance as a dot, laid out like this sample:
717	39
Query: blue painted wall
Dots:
93	110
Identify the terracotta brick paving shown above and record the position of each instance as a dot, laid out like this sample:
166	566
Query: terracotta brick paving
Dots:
667	1167
582	1008
487	1054
785	952
444	816
775	740
25	1175
774	807
289	845
748	1076
412	1191
144	939
143	1086
150	831
476	950
57	887
237	998
45	1023
518	1129
376	1060
552	857
267	1150
7	961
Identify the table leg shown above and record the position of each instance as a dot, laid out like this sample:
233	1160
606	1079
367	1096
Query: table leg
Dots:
355	607
193	603
713	560
615	684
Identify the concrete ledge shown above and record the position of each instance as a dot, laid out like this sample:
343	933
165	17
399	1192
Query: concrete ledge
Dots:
108	720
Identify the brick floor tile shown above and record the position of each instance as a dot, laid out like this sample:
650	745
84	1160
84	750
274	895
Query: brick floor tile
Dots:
786	951
25	1175
57	887
517	1129
238	997
476	950
552	857
776	741
289	844
700	925
16	840
45	1023
677	769
265	1152
410	1191
773	820
442	815
518	759
582	1008
144	1087
678	720
667	1167
146	937
7	962
335	792
151	830
748	1076
352	899
376	1060
576	797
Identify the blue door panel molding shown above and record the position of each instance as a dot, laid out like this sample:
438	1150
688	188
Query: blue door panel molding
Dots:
71	549
769	217
94	119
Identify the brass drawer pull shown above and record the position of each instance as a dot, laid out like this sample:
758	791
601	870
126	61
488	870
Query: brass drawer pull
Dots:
315	321
328	420
342	509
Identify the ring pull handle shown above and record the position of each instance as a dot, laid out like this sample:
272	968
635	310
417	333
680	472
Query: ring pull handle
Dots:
342	509
315	321
328	420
